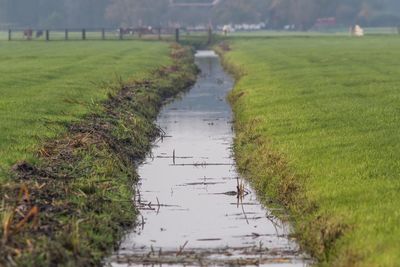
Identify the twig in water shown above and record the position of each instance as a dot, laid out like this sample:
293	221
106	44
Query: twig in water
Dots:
240	200
204	164
142	221
139	199
182	248
158	204
168	157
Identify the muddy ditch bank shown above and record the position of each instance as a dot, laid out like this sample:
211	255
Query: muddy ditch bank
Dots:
195	208
72	207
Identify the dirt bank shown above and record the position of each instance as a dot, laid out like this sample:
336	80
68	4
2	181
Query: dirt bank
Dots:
70	208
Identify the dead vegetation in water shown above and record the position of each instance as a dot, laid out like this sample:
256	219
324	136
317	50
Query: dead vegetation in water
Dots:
72	206
240	256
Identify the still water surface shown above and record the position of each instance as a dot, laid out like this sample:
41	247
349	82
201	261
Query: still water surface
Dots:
191	211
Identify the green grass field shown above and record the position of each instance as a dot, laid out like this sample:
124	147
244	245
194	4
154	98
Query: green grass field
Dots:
45	85
330	107
340	31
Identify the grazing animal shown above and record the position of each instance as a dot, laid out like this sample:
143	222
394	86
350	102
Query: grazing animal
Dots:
226	29
39	33
357	31
28	34
131	31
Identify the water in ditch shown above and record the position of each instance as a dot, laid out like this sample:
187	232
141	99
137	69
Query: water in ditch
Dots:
195	209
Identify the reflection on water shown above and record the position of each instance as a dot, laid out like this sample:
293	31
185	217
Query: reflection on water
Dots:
195	209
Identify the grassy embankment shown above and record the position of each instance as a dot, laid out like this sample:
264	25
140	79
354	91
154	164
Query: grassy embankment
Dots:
318	124
70	113
45	85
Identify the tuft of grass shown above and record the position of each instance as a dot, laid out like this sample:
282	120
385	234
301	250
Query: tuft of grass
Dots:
317	123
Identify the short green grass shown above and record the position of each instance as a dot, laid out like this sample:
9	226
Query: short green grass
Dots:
330	105
43	86
3	35
338	31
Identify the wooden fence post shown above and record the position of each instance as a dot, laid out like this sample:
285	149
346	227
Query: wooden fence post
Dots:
47	35
83	34
103	34
9	34
177	35
66	35
121	34
210	37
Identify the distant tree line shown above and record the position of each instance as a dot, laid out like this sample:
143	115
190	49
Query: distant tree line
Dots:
115	13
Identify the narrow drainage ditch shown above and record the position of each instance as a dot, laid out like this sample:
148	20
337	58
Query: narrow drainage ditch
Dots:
195	209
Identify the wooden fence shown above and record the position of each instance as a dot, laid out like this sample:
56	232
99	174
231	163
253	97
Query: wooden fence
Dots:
176	34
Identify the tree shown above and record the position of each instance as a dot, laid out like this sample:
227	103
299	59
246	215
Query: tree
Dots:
137	12
241	11
85	13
